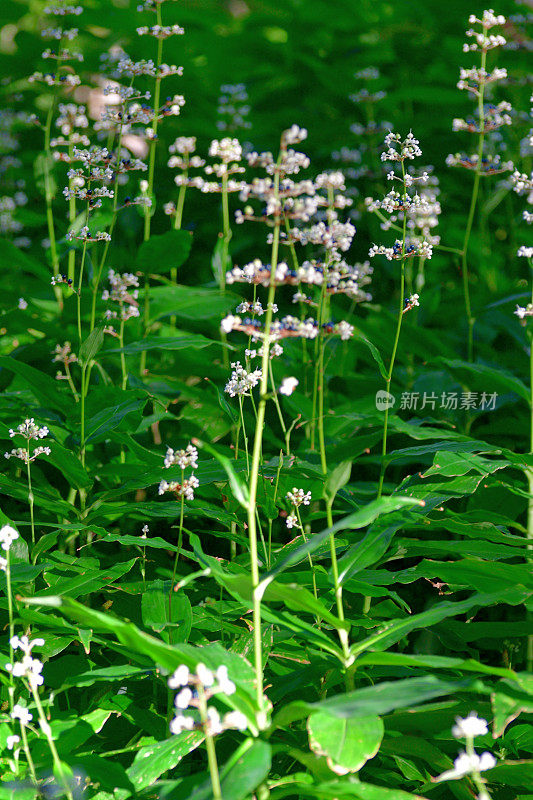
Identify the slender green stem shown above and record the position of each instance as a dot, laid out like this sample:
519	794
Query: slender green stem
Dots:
471	213
48	192
245	436
226	237
180	542
256	456
337	585
210	746
83	393
25	745
71	218
11	628
309	557
122	353
30	492
45	727
394	348
278	409
151	172
80	278
71	382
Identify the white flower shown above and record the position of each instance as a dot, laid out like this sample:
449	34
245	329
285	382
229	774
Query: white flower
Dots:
184	698
22	714
183	458
143	185
227	323
11	741
288	385
22	303
180	677
7	536
224	684
466	764
205	675
181	723
236	720
469	727
214	721
291	521
298	497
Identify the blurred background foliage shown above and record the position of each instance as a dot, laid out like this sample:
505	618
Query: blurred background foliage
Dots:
298	60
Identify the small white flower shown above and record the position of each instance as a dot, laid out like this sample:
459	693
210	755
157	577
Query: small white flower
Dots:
181	723
205	675
7	536
22	304
288	385
184	698
143	186
466	764
11	741
180	677
227	323
469	727
235	720
22	714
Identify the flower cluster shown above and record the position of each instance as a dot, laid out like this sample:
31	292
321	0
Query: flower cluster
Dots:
28	667
124	291
233	108
296	498
184	459
242	381
29	430
483	40
226	154
195	690
399	149
398	252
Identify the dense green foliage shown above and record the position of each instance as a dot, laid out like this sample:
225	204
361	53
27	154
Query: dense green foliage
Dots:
400	598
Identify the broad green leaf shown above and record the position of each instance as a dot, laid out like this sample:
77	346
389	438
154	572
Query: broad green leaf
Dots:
153	760
45	389
182	341
189	302
358	519
377	700
347	744
163	252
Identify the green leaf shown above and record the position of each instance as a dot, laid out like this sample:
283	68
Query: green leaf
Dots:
182	341
189	302
347	744
141	645
358	519
374	700
91	345
154	759
45	389
220	261
337	478
246	770
376	355
483	375
164	252
238	486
